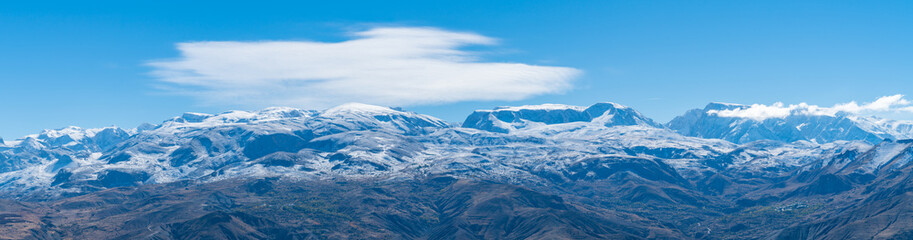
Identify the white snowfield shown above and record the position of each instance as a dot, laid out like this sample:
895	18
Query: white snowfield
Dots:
365	141
547	106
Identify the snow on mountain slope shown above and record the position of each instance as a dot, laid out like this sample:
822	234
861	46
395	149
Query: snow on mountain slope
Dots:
883	157
527	144
707	123
357	116
606	156
772	158
76	137
370	139
508	119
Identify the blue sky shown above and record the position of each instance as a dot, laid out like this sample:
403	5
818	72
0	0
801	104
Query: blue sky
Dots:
92	64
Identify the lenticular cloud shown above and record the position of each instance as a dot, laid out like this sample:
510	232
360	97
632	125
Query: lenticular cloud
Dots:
387	66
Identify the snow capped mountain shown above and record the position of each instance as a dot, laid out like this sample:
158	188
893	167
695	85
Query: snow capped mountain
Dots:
508	119
708	123
516	144
294	142
234	118
700	164
357	116
883	157
76	137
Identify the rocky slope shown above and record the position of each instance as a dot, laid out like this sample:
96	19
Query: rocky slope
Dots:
547	171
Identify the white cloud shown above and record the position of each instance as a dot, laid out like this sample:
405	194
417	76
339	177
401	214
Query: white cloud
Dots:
386	66
886	104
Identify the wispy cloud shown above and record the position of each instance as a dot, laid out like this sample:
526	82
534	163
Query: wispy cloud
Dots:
886	104
386	65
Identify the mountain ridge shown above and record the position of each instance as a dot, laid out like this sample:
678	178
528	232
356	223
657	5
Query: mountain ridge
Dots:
607	160
507	119
794	127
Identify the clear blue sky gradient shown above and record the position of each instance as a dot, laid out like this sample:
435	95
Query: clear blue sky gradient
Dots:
65	63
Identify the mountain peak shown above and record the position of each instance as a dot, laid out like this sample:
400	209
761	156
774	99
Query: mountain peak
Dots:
723	106
73	133
359	116
506	119
718	120
194	117
547	106
614	105
360	108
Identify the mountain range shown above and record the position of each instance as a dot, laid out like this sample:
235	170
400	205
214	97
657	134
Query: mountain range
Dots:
540	171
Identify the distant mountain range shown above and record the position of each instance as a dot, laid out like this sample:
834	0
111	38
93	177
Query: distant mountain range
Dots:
794	127
541	171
